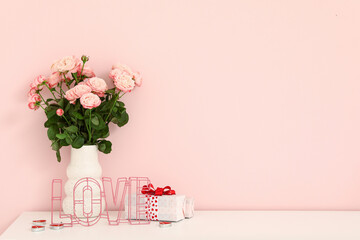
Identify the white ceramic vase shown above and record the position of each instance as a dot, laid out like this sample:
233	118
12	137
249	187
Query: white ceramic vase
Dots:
84	163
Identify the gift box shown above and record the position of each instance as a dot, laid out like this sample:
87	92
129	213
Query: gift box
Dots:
157	205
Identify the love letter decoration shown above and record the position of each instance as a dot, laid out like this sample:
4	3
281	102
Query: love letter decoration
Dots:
132	187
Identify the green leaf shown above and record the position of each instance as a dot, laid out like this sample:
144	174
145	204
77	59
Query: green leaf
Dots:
98	122
61	136
78	142
54	106
68	140
52	131
95	120
61	124
61	103
58	156
103	133
50	113
55	146
104	146
87	112
77	106
72	129
107	133
122	110
105	106
85	134
77	115
48	124
111	91
64	143
124	119
52	120
115	120
68	105
120	104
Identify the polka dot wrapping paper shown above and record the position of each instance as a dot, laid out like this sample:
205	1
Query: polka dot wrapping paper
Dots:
152	209
159	208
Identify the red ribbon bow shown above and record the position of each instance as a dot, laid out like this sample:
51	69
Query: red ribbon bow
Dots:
150	190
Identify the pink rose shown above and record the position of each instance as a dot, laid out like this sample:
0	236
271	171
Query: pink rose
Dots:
33	100
77	92
32	106
97	85
123	80
54	79
31	91
138	78
122	67
80	90
90	100
67	64
135	75
70	96
59	112
36	84
87	72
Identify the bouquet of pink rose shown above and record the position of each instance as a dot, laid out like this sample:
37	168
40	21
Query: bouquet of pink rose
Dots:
81	105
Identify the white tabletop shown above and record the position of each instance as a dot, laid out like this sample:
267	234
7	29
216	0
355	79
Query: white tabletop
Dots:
289	225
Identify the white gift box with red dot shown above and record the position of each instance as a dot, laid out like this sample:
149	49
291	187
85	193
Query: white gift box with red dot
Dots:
159	208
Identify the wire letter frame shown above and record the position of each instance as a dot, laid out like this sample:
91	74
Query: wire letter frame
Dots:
103	198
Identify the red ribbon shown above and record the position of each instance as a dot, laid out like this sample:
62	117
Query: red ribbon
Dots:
150	190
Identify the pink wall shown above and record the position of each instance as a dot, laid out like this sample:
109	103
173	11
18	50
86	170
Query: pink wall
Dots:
245	104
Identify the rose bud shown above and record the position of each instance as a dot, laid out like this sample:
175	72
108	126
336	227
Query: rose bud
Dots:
84	58
59	112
